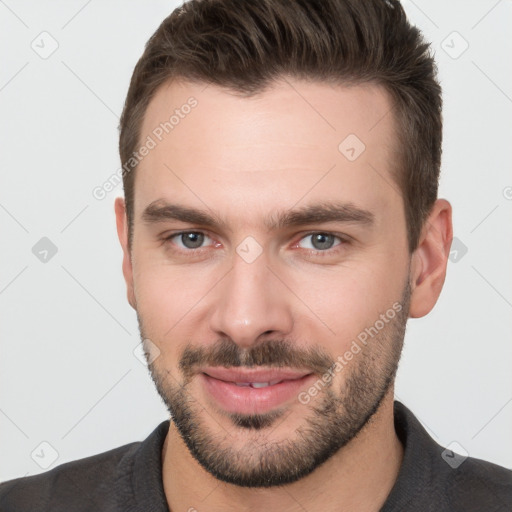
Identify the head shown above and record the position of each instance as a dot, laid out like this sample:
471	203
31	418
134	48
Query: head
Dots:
282	215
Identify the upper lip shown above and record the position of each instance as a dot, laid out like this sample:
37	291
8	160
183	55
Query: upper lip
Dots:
253	375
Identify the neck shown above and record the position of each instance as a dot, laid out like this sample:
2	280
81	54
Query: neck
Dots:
358	477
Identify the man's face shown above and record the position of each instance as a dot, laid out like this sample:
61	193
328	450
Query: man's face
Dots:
261	294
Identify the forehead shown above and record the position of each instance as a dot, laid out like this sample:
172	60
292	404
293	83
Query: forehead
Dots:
294	140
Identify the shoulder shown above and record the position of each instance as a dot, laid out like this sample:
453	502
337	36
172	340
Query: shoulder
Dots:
90	478
435	478
476	483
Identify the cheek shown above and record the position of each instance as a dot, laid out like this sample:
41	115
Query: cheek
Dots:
171	298
340	304
162	294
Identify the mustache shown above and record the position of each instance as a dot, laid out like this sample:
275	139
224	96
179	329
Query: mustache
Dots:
270	353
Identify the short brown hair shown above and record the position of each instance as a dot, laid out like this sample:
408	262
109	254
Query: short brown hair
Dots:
245	45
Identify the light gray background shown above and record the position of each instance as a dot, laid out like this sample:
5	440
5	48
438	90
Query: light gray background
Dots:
68	373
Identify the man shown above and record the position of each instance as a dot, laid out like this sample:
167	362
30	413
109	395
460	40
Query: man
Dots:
280	225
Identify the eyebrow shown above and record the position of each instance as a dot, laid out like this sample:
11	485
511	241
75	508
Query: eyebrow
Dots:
161	211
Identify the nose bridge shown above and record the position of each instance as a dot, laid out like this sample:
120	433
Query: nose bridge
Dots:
250	300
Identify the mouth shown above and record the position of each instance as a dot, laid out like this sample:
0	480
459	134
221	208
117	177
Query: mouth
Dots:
253	391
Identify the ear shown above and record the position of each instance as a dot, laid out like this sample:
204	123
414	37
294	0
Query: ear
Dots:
429	260
122	233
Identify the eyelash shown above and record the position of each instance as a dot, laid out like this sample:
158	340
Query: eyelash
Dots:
344	240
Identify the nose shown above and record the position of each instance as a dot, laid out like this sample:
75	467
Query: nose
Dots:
251	303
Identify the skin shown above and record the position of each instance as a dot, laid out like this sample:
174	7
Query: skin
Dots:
243	158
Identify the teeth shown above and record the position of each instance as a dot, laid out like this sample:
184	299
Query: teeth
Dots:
258	384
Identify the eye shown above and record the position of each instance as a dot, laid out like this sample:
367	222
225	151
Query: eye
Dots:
320	241
188	239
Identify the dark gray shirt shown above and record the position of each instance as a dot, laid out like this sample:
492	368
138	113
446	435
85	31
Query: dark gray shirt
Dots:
129	479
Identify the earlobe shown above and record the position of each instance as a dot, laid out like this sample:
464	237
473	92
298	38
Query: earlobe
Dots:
430	259
122	233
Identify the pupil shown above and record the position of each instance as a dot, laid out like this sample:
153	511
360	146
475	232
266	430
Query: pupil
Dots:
192	240
322	241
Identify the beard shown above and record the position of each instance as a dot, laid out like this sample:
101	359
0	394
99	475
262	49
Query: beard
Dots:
334	416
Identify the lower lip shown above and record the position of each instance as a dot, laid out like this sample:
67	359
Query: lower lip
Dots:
249	400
